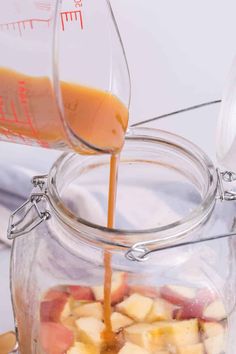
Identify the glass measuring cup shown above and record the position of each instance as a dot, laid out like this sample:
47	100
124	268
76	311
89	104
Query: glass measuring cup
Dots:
64	80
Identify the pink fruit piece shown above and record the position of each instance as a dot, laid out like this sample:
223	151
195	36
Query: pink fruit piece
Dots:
52	311
55	294
178	295
81	292
194	308
55	338
149	291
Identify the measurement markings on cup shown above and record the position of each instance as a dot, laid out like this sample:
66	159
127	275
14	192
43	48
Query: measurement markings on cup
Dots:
31	24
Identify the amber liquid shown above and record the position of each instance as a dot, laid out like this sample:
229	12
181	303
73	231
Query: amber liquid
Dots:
29	114
111	344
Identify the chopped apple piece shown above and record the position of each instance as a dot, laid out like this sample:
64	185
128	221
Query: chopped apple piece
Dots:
55	338
55	294
93	309
119	288
81	292
215	345
130	348
161	310
136	306
81	348
177	333
90	330
215	311
69	323
149	291
55	310
211	329
192	349
194	308
139	334
119	321
177	295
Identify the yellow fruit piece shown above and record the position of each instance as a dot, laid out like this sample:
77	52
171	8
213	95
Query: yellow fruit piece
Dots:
176	333
139	334
191	349
161	310
7	342
119	321
215	345
130	348
136	306
90	330
81	348
93	309
212	329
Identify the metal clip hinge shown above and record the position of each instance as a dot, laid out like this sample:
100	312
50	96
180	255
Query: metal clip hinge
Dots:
226	176
29	215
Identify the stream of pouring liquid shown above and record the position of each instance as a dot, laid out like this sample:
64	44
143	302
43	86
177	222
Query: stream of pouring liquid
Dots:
111	344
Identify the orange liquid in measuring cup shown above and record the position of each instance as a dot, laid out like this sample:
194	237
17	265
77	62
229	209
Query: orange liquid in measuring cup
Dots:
29	113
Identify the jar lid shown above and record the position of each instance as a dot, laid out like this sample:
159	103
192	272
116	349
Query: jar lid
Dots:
226	130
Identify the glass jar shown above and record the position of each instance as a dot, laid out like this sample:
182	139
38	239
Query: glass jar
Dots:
173	252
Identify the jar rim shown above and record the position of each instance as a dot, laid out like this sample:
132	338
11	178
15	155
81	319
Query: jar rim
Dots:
170	232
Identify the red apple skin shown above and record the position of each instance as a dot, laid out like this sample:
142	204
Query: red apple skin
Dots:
195	308
55	338
82	293
149	291
50	311
55	294
119	294
173	297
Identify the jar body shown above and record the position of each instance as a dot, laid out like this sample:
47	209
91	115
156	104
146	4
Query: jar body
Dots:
40	264
181	297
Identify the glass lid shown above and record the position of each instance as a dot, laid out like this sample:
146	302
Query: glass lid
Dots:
226	131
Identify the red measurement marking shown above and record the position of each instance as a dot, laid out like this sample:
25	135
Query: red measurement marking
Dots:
2	113
72	16
13	108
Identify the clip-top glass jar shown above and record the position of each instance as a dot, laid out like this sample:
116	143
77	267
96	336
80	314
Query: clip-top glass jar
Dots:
173	253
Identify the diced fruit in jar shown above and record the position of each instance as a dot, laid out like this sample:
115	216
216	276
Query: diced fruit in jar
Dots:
149	291
7	342
119	288
191	349
211	329
81	292
136	306
177	295
130	348
81	348
139	334
55	338
215	345
194	308
161	310
215	311
90	330
55	310
69	322
119	321
93	309
55	294
177	333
